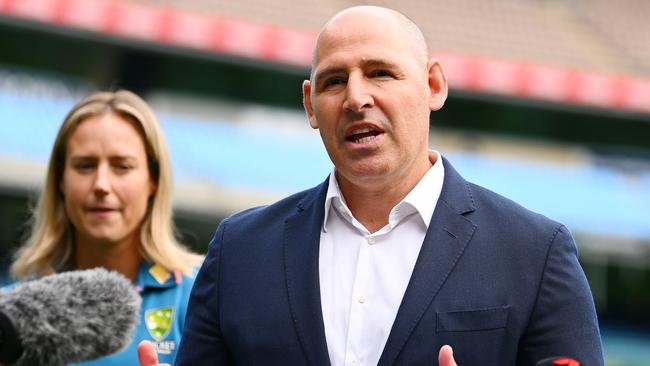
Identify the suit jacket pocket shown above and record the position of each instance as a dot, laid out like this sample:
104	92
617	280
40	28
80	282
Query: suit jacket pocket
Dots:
472	320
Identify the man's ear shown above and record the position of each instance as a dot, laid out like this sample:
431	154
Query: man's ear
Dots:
437	84
306	102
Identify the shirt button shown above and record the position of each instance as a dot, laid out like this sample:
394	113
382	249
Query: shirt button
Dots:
371	240
356	363
361	299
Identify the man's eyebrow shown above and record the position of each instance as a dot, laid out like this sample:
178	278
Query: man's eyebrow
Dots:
328	71
379	62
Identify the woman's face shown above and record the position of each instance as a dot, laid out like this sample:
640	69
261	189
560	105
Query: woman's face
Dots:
106	183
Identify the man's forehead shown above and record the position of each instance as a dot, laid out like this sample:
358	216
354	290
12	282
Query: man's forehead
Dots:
381	30
362	52
367	41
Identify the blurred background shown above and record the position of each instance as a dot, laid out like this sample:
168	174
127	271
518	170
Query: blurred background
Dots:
549	105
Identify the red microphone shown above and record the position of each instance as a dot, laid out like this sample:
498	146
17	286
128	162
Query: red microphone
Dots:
558	361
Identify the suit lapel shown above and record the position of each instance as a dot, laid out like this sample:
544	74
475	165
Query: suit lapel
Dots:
301	246
448	235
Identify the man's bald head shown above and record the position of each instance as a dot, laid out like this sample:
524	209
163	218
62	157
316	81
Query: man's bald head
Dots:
370	95
392	19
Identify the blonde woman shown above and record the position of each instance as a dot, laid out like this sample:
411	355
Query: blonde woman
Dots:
107	203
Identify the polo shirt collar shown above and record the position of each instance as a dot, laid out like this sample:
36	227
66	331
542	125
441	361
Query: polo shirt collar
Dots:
155	276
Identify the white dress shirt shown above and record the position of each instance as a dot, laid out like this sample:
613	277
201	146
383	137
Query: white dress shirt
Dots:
363	276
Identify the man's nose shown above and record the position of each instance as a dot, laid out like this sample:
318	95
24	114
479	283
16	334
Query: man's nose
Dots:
358	96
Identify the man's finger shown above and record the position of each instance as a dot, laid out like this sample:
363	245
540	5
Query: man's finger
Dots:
446	356
147	354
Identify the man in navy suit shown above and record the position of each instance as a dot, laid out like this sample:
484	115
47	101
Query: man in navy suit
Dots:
395	259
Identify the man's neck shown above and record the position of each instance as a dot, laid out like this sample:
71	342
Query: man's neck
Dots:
371	209
371	202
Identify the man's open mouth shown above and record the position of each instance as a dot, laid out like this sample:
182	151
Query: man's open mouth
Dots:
363	135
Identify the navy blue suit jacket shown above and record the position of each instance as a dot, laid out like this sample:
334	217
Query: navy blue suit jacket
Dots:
500	284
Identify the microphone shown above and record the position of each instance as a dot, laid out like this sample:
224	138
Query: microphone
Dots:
67	317
558	361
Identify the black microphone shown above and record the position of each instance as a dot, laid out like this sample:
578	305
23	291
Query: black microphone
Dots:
558	361
67	317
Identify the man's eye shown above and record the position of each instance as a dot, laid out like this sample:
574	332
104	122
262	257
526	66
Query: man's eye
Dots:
333	82
381	74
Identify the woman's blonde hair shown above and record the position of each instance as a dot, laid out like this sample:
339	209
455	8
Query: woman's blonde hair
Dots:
50	245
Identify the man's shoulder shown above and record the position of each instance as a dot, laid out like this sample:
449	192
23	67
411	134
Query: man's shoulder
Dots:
498	207
485	205
278	211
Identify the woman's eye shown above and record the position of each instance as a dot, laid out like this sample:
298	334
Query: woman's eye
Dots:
123	166
84	166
